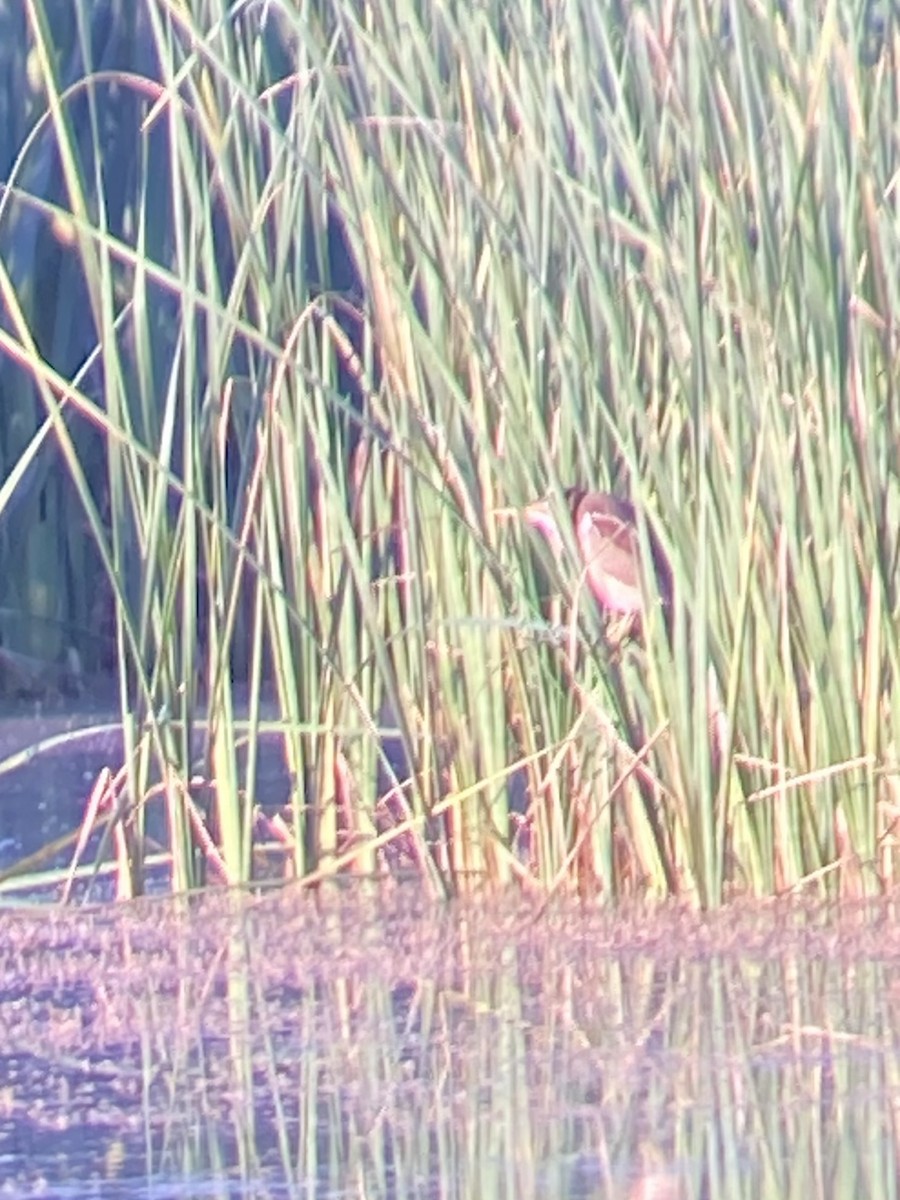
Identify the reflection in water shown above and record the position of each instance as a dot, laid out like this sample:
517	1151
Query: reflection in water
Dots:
302	1046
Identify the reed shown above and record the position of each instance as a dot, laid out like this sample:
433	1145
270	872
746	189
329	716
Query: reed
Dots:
298	299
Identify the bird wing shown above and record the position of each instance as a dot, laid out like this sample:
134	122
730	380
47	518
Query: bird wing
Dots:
610	547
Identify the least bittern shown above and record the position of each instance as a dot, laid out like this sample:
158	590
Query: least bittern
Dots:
606	534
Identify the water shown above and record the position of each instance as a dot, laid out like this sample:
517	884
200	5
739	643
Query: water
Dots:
360	1042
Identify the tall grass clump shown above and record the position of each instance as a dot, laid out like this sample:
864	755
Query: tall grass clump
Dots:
299	297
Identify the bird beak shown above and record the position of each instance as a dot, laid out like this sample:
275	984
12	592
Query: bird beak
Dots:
539	516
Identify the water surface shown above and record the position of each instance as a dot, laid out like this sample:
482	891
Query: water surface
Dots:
362	1042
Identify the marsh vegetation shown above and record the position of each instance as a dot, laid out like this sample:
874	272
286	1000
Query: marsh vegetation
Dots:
298	297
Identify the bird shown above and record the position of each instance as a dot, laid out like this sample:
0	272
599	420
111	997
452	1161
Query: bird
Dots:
606	535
